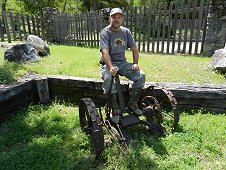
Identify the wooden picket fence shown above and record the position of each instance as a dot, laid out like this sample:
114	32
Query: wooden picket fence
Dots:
178	28
16	27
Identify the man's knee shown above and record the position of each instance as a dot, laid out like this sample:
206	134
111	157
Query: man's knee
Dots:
109	84
142	78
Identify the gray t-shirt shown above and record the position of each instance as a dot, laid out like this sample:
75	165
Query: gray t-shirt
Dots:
116	42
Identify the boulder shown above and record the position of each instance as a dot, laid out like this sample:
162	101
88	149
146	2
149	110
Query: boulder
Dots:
21	53
40	45
218	61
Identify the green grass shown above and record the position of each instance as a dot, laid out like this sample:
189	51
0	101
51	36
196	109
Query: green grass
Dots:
83	62
49	137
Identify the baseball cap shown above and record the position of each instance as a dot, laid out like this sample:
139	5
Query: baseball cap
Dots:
116	10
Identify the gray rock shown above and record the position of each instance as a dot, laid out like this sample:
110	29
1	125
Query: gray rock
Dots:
21	53
40	45
218	61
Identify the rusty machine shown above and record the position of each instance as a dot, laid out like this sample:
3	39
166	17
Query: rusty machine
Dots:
160	115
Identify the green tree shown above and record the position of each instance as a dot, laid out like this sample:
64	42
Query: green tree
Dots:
89	5
11	6
147	2
36	6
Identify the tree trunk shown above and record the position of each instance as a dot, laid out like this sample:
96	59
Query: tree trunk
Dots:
95	5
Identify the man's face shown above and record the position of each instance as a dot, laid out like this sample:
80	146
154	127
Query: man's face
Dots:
116	20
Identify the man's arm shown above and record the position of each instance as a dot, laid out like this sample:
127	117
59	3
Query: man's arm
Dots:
107	60
135	58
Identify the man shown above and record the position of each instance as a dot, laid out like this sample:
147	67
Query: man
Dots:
114	40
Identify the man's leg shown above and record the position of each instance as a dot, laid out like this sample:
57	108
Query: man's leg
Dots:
138	78
135	94
107	78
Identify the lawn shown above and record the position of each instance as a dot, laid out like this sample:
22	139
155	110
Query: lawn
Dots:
49	136
83	62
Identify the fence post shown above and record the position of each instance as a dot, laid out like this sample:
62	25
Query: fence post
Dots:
216	27
49	15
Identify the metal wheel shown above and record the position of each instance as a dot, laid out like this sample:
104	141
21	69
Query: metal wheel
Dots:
151	109
90	123
163	104
152	112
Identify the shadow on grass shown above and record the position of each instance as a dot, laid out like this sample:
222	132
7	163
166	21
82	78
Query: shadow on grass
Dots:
39	139
140	157
47	137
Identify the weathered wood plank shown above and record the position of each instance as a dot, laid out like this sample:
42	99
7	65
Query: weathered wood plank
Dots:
192	25
153	29
135	22
144	28
158	26
43	90
210	97
2	30
18	27
164	27
37	20
140	27
14	89
12	25
131	19
28	24
186	26
24	26
180	27
6	26
199	26
16	96
149	27
76	29
33	25
175	23
169	27
204	25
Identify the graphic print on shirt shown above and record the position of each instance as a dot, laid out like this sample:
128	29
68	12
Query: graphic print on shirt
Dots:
119	42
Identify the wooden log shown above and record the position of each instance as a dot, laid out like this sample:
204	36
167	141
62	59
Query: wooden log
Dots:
209	97
43	90
16	96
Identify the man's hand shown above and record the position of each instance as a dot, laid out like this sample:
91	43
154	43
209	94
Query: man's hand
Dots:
114	70
135	67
